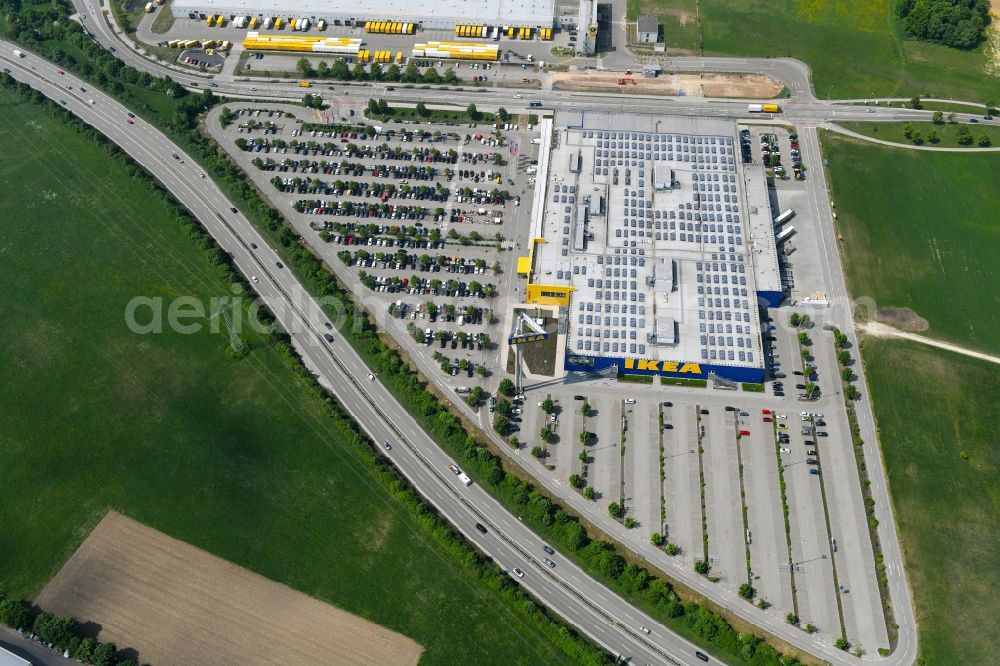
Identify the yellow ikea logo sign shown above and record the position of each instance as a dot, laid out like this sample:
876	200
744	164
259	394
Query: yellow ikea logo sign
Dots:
662	366
534	337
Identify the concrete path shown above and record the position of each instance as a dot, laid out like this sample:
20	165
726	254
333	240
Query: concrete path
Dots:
937	149
885	331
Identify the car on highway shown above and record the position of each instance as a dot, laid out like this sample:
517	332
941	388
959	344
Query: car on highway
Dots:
176	156
130	121
328	325
517	572
701	655
328	337
371	377
59	71
131	115
629	401
644	630
279	264
386	445
231	208
63	102
255	280
548	549
550	563
454	468
481	528
253	246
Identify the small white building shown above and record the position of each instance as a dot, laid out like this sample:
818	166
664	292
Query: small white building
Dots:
648	29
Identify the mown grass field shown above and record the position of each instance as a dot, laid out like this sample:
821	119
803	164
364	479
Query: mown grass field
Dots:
854	48
946	133
938	433
921	230
231	456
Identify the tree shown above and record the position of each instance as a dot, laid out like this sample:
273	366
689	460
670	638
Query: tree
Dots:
811	628
917	138
794	319
537	452
431	75
984	141
958	24
672	549
472	112
938	118
576	481
104	654
376	71
588	492
411	73
450	77
422	110
513	443
359	73
846	374
630	522
614	510
843	357
506	387
746	591
964	136
842	643
792	618
657	539
585	408
851	392
803	337
908	130
701	566
932	136
501	424
340	70
304	68
503	115
585	437
810	388
546	434
548	405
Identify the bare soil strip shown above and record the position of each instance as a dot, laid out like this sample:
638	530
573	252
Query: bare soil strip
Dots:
177	604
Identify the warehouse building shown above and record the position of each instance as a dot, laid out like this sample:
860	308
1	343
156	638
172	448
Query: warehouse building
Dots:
656	243
443	15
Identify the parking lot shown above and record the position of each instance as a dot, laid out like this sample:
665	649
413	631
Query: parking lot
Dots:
409	220
419	219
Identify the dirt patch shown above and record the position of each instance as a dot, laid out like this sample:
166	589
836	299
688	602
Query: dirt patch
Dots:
903	319
754	86
177	604
685	17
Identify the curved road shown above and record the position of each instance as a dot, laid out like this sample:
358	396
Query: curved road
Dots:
907	146
568	590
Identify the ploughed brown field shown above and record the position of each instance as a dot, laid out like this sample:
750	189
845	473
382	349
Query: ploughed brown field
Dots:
176	604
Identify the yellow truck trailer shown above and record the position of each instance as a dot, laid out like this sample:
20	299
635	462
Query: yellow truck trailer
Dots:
277	23
210	20
253	22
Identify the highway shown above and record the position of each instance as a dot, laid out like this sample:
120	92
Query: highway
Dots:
566	589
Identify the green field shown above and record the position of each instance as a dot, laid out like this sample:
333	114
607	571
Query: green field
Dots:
233	456
853	48
922	231
946	133
947	506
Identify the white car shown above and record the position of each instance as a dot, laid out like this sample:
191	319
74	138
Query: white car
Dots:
517	572
786	450
255	280
371	377
644	630
629	401
518	96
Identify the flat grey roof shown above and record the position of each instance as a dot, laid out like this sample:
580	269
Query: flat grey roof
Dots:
530	12
648	23
668	273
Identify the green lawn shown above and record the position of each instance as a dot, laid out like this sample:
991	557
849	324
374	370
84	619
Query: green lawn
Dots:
946	133
235	457
922	231
853	48
947	506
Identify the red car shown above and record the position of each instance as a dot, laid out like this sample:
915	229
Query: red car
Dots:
767	419
59	71
130	121
765	411
744	433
